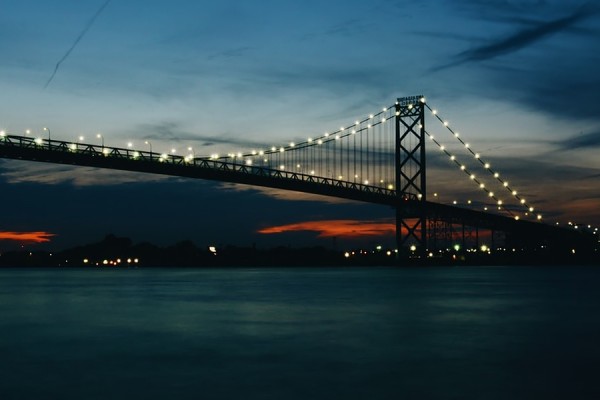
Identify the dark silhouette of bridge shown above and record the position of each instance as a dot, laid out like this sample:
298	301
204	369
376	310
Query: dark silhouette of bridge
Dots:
380	159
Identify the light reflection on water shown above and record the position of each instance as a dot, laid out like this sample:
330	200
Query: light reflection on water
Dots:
318	333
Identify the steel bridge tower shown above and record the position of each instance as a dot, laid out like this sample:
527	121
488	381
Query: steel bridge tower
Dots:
410	174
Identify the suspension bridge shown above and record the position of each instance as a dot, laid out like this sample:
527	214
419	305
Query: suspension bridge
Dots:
379	159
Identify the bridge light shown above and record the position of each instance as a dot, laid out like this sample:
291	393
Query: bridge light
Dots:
413	248
337	137
309	140
496	175
340	177
261	153
38	141
467	145
319	141
248	162
273	148
173	151
472	176
342	129
487	165
136	154
2	133
481	185
477	155
105	151
353	131
434	112
530	209
422	99
410	106
522	201
383	119
390	187
281	149
356	123
73	146
539	217
369	126
442	148
370	116
462	167
312	172
445	123
499	202
384	109
455	202
452	157
456	134
469	201
397	112
517	217
491	194
282	167
366	182
292	144
239	154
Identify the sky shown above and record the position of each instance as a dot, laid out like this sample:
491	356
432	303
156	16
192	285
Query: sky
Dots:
518	79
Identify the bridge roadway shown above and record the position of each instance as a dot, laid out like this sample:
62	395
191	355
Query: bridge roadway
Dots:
70	153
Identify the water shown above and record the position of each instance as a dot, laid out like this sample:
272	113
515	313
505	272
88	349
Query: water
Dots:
314	333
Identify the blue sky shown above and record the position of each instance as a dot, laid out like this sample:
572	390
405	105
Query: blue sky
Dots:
517	78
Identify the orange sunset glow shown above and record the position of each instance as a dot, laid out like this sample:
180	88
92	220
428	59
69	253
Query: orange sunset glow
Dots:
33	237
337	228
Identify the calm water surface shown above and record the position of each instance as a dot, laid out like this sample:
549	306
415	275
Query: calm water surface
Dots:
314	333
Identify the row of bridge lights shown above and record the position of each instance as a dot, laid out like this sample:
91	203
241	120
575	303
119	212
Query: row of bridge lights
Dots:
486	165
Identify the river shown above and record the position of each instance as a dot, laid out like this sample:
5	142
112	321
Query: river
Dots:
300	333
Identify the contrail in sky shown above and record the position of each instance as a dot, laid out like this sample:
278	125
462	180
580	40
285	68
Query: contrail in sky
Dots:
81	35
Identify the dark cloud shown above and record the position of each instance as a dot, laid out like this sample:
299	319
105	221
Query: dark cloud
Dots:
162	212
230	53
173	131
583	140
520	39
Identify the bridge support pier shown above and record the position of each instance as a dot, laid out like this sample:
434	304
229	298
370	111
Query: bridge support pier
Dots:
411	212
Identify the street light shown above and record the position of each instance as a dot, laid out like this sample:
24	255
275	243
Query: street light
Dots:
149	144
79	139
48	129
99	136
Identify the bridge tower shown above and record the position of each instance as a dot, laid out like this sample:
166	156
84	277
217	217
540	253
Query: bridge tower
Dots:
410	174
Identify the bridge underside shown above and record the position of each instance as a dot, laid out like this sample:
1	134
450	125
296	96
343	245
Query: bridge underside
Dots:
408	207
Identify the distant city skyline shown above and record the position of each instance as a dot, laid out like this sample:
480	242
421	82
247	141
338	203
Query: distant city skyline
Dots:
517	79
